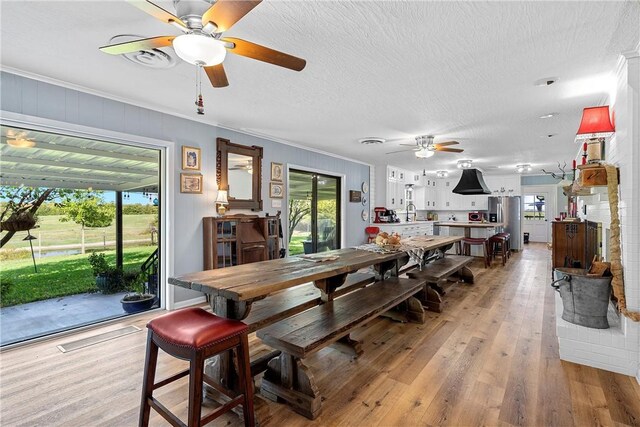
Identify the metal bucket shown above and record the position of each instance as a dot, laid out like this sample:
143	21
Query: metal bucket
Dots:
585	299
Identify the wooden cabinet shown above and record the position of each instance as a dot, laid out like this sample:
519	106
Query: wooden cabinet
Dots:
574	243
239	239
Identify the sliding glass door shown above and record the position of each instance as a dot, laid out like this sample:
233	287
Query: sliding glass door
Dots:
314	212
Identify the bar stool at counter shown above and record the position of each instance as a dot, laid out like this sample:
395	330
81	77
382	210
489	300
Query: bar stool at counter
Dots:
193	334
499	246
467	242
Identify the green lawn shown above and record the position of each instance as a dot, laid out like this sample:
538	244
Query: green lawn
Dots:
52	231
295	244
57	275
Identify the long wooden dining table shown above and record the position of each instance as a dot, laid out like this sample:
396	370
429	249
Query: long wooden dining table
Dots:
233	290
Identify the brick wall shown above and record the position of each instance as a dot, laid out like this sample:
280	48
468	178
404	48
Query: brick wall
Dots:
616	349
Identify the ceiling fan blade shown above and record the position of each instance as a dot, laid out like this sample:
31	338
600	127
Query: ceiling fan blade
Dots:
138	45
450	150
158	12
225	13
444	144
217	76
399	151
264	54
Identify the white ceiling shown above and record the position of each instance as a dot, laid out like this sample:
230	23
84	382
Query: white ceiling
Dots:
458	70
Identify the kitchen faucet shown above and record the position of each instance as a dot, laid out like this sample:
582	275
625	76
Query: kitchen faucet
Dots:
411	205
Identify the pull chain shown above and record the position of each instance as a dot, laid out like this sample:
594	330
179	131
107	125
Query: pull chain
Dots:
199	100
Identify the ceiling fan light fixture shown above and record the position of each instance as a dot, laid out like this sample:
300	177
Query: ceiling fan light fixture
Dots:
523	168
464	164
199	49
424	153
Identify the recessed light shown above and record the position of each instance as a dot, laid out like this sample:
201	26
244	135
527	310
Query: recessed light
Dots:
442	174
549	115
372	141
546	81
464	164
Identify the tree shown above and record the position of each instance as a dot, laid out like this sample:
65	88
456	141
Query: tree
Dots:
298	209
24	201
87	209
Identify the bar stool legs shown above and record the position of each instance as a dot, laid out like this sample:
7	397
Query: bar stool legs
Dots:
195	335
467	242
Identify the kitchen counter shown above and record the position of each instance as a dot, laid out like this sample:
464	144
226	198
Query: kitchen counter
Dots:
469	224
400	224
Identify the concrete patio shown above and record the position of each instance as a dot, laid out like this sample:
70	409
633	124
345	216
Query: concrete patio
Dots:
39	318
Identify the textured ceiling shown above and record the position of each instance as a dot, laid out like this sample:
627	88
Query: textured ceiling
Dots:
458	70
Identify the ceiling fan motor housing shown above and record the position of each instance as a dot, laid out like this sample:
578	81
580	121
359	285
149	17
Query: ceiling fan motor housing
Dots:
191	11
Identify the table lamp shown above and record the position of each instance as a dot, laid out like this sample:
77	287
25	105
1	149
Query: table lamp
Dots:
221	200
594	128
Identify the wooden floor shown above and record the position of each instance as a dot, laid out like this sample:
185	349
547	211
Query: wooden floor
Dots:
490	359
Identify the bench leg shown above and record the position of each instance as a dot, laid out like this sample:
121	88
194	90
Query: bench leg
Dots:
415	311
348	345
431	299
466	275
288	379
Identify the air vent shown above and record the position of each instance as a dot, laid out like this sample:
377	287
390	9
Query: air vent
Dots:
372	141
151	58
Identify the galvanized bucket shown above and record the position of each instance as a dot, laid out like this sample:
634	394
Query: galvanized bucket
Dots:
585	299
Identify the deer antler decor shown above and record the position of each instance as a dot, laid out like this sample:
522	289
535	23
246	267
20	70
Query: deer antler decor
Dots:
557	175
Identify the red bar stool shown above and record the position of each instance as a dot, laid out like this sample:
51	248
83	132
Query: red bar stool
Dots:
193	334
372	232
498	245
467	242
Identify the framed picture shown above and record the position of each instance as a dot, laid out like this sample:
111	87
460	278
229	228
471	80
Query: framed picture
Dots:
276	190
191	183
190	158
276	171
355	196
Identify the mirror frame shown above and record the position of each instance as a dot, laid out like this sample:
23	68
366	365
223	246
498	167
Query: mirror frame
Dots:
224	147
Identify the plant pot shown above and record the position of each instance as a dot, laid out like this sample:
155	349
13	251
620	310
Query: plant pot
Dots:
136	302
102	283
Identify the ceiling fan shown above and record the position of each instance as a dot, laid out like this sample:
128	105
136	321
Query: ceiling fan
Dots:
202	43
425	147
248	167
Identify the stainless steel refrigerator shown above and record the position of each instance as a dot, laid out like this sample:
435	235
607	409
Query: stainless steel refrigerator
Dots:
506	209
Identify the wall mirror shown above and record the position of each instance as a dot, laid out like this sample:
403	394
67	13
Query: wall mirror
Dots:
239	170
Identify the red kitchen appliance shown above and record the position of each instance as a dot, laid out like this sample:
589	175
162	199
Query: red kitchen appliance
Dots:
476	217
380	215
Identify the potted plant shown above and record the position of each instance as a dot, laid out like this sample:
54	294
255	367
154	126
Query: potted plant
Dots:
136	299
101	270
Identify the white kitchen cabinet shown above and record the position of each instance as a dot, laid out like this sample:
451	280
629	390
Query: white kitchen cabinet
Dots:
419	198
392	173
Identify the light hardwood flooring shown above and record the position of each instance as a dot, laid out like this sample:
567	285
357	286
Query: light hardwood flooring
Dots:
491	358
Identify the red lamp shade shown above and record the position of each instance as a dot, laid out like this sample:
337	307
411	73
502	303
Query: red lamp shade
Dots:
596	123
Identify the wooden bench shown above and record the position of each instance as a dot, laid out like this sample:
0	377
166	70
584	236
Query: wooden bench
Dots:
298	336
438	272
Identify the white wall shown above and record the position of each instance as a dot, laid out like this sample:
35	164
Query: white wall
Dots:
616	349
39	99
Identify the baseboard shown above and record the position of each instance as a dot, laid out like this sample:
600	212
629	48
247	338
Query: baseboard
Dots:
189	302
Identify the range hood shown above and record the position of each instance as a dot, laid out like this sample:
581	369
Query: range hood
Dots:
471	182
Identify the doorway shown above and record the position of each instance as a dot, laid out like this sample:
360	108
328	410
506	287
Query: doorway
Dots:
537	209
314	212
